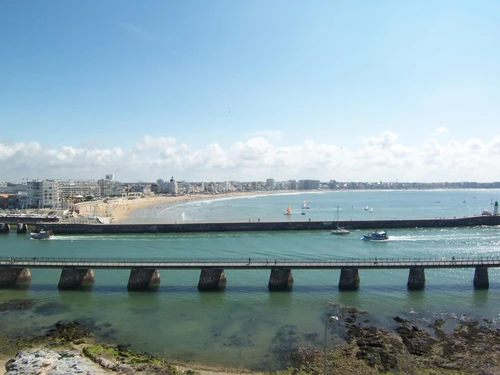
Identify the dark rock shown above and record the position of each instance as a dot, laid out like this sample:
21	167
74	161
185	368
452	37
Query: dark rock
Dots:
16	304
48	309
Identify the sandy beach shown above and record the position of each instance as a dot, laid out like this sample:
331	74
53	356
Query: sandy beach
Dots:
119	209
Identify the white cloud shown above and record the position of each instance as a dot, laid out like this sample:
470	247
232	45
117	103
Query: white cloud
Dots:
379	157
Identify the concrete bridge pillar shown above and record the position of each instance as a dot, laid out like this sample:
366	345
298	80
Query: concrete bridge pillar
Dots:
212	279
21	228
349	279
12	275
4	228
481	280
280	279
143	278
75	277
416	278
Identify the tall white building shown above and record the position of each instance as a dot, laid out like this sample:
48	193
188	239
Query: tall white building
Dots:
51	194
35	194
109	187
271	184
173	189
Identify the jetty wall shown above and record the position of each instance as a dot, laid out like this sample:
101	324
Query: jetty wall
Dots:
73	228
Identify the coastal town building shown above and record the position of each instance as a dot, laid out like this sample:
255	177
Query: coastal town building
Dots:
3	201
35	193
308	184
109	187
172	186
271	184
64	193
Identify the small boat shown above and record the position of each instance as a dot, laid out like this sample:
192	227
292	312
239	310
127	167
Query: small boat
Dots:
288	210
376	236
366	208
339	231
42	235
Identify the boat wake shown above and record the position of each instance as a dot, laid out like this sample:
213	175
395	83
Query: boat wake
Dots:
403	238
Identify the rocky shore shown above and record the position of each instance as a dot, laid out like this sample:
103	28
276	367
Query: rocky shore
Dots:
456	345
447	345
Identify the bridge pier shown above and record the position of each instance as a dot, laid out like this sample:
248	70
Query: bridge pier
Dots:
21	228
4	228
143	278
349	279
14	275
416	278
481	279
75	277
280	279
212	279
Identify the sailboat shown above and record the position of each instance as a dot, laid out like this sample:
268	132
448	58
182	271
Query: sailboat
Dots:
339	231
304	205
288	210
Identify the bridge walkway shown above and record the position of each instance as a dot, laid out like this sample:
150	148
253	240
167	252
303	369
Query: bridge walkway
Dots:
360	263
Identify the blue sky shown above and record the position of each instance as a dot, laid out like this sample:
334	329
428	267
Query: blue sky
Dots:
249	90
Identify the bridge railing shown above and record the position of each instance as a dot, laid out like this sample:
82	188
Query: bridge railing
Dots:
406	261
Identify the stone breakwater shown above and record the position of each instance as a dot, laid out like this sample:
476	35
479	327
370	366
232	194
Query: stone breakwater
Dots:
67	228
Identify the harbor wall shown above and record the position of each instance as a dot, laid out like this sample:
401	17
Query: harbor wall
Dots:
7	219
78	228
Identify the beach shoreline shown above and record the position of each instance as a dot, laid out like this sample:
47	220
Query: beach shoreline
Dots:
119	210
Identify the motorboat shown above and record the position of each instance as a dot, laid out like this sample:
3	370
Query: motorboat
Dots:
42	235
376	236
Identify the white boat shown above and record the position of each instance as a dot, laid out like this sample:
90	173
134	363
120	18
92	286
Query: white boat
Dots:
42	235
376	236
366	208
339	231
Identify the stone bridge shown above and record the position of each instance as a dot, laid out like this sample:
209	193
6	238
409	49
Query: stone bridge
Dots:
78	272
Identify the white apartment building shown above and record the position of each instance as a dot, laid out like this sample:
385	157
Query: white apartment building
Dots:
173	188
271	184
109	187
35	194
57	193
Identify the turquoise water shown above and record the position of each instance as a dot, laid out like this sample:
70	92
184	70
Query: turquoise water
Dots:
246	325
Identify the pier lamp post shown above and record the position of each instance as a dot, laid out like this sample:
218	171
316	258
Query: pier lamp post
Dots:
329	320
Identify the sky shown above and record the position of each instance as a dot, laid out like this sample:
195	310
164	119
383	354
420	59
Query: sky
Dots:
248	90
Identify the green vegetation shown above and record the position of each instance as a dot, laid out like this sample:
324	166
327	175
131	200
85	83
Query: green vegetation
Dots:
117	356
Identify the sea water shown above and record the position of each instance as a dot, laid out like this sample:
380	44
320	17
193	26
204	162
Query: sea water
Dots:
246	325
